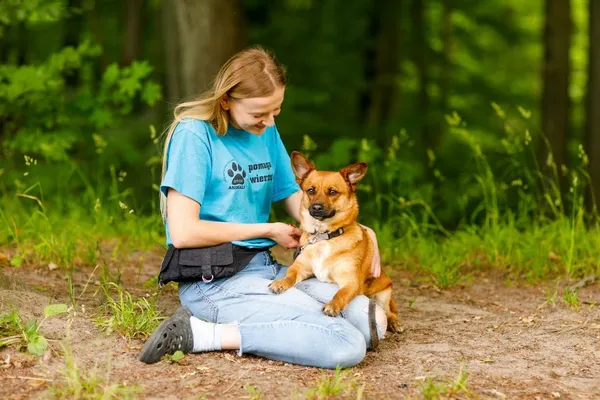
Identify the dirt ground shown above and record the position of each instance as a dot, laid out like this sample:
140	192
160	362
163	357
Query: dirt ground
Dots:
512	342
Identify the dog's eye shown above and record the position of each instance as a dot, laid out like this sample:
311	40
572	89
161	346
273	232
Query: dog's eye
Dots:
332	192
311	191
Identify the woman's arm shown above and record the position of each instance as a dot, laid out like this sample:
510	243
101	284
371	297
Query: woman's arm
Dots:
292	205
376	261
187	230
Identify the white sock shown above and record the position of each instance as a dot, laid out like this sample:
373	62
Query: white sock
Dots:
207	335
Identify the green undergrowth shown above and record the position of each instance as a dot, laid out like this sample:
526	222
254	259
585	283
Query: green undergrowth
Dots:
514	217
32	232
74	234
544	251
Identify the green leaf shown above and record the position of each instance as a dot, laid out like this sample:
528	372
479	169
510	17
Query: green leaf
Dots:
525	113
38	345
55	309
111	75
151	93
177	356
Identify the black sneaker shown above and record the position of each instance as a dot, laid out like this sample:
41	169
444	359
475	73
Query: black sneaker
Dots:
174	333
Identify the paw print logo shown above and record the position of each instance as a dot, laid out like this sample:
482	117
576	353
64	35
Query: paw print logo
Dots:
237	174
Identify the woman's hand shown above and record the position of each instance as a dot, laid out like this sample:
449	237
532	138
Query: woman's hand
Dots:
285	235
376	261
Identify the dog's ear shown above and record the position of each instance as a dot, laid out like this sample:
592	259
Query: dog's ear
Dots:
354	173
301	166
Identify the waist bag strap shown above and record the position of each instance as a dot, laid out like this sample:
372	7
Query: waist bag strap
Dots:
207	275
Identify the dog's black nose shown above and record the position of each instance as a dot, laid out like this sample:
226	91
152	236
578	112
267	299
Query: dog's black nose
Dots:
316	208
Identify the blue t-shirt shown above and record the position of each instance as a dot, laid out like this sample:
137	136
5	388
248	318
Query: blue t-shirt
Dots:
235	177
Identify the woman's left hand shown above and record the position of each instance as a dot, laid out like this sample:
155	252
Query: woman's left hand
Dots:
376	261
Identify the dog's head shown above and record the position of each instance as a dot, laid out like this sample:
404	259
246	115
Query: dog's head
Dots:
329	199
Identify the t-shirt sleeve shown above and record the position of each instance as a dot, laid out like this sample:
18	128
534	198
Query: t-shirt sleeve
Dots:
284	181
188	163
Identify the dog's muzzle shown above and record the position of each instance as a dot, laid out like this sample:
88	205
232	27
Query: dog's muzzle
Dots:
319	212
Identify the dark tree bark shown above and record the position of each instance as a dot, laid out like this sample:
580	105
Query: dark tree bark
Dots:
133	30
384	66
592	129
447	50
200	37
420	57
171	51
555	100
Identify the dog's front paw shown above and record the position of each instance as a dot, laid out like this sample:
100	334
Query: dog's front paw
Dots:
280	286
331	309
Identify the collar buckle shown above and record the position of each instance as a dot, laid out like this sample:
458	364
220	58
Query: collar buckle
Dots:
316	237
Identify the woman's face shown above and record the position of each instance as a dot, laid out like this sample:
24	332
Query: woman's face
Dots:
255	114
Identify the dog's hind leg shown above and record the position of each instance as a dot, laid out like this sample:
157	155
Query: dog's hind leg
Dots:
384	297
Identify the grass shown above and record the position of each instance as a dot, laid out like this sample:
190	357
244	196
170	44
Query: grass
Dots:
339	384
99	224
254	393
14	331
515	220
523	226
431	390
90	385
129	317
571	297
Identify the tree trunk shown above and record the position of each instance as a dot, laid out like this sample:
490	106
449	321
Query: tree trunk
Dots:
420	50
204	35
555	100
447	50
592	129
384	62
133	31
172	50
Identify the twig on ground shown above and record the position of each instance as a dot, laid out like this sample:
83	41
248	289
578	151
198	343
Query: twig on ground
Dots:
31	378
588	280
235	381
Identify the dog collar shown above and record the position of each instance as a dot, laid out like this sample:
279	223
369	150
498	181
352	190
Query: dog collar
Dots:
317	237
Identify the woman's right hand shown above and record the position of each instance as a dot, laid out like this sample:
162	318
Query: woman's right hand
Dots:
285	235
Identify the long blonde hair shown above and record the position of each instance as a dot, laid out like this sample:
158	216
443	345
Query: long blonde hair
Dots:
253	72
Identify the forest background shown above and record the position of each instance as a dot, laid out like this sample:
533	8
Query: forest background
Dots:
479	121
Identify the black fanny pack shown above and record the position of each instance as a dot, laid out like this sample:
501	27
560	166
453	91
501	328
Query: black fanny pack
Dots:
204	263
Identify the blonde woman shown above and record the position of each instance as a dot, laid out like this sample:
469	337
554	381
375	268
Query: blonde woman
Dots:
224	165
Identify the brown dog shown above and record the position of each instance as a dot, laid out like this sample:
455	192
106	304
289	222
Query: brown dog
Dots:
334	247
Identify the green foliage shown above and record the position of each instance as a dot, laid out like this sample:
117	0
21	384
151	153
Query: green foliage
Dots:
571	297
453	183
254	393
35	125
78	230
14	331
176	357
130	318
441	390
78	384
339	384
30	11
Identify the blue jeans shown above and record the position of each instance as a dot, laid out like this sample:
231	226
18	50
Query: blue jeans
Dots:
289	326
